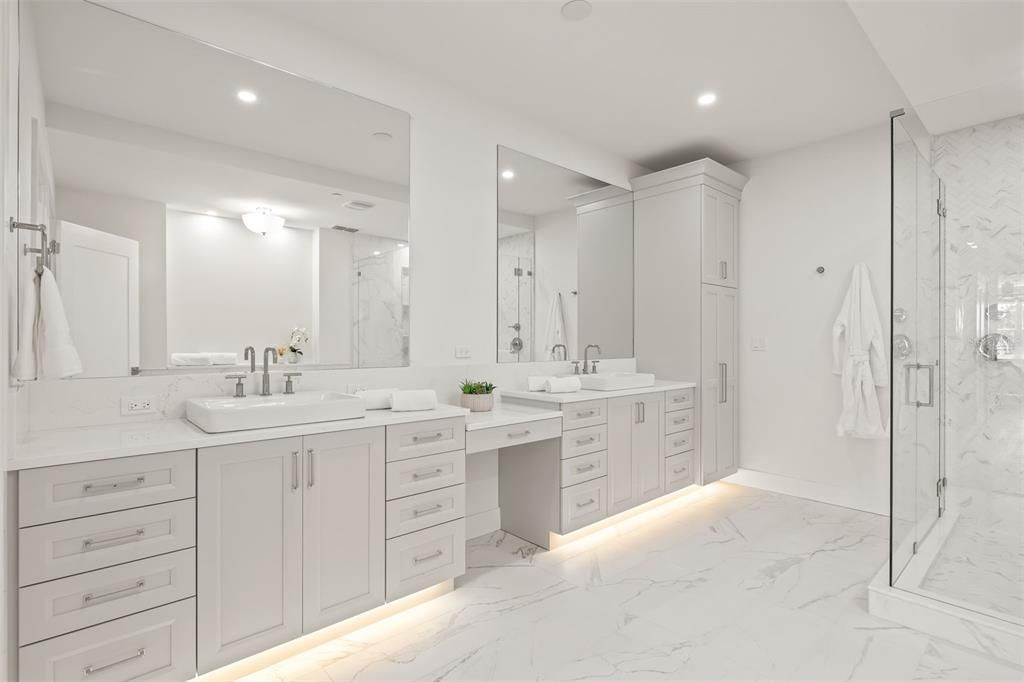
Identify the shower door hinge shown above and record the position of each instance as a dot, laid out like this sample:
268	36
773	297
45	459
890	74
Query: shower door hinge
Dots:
940	210
914	549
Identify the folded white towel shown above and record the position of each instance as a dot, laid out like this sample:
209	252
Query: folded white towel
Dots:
537	383
562	385
191	359
223	358
413	401
376	398
25	364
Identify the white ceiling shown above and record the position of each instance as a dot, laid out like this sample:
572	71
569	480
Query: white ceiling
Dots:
538	187
626	79
959	63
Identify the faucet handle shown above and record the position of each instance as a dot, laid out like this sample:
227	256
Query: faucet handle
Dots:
239	380
593	366
289	387
575	366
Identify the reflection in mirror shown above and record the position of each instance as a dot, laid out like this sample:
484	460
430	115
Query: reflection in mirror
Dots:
205	203
565	262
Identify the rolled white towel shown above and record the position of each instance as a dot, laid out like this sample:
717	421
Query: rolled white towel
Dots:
223	358
413	401
562	385
376	398
537	383
191	359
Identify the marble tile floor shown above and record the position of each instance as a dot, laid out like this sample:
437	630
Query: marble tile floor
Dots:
725	583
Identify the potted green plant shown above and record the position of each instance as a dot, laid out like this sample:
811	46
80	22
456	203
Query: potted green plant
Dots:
478	396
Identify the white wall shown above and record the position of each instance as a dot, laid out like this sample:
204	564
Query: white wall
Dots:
823	204
145	222
333	297
215	264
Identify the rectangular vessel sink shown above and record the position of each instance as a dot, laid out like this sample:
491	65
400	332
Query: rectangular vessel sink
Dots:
616	381
215	415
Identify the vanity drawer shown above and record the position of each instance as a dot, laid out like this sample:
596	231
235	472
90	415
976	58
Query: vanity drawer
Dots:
678	442
415	439
514	434
584	504
421	511
68	547
583	441
680	420
412	476
59	606
424	558
74	490
584	468
159	644
678	471
579	415
680	399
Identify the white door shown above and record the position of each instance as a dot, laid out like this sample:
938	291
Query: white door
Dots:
249	549
623	414
648	442
719	223
342	525
726	423
710	376
99	281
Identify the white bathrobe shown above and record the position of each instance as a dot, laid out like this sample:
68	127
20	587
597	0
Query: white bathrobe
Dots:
858	356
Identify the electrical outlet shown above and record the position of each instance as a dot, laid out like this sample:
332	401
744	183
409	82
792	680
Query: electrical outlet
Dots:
353	388
463	352
137	405
758	343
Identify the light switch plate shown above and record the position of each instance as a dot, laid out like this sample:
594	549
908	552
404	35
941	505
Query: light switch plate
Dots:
758	343
136	405
463	352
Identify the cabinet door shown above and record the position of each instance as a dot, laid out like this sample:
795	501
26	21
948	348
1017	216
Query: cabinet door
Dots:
719	223
726	422
342	525
249	549
648	442
623	414
710	376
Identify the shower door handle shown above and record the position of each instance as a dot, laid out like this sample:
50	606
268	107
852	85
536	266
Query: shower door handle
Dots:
931	385
913	367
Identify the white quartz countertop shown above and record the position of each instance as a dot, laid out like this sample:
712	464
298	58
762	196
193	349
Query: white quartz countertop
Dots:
507	414
67	446
585	394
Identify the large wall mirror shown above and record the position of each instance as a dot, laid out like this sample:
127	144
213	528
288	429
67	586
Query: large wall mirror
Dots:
565	262
204	202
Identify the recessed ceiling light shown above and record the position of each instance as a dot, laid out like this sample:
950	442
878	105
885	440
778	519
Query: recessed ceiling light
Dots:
247	96
359	205
707	99
576	10
381	136
376	253
401	245
508	174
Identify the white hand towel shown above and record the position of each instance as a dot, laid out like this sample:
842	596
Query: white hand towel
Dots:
223	358
554	330
413	401
191	359
58	357
376	398
25	364
563	385
537	383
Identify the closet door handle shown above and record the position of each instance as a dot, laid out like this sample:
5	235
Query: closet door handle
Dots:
721	383
723	269
295	469
725	383
310	480
636	413
643	412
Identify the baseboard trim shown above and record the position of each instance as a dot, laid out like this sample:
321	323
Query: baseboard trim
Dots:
812	490
483	523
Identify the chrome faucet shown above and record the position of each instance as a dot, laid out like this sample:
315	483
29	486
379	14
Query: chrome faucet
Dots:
592	367
266	369
250	355
565	351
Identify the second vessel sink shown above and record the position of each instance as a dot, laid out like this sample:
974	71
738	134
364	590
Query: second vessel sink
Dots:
616	381
215	415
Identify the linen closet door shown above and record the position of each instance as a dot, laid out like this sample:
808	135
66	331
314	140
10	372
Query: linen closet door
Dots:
719	380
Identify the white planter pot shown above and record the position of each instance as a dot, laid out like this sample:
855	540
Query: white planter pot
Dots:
482	402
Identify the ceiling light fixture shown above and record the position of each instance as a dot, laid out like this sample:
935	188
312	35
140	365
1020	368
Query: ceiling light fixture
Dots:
576	10
508	174
263	221
401	245
376	253
247	96
707	99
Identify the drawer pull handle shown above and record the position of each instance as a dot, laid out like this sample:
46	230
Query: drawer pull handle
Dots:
90	598
584	415
585	467
420	475
521	434
423	511
679	443
680	399
586	441
134	536
93	488
581	505
427	557
417	439
93	669
679	470
681	420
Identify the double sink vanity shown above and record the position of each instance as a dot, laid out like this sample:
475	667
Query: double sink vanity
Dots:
163	550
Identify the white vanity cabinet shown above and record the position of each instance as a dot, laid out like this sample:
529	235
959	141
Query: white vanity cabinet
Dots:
635	450
291	538
687	239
